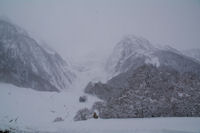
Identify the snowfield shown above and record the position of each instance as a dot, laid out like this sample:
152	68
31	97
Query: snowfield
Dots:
27	110
24	107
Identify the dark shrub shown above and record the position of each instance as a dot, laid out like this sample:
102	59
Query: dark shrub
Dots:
82	99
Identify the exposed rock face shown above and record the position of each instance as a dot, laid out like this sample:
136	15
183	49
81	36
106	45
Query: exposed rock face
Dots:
25	63
152	83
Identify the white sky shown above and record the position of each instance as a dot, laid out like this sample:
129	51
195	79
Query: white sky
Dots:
77	27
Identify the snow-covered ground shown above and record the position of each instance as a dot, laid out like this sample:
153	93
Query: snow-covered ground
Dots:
24	109
27	110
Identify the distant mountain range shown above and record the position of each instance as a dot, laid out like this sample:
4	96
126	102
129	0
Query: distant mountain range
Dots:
26	63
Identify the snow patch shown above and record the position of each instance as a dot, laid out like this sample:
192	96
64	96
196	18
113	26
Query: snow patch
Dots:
180	94
153	60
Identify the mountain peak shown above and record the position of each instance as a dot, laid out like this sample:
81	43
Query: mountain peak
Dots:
135	43
129	46
6	26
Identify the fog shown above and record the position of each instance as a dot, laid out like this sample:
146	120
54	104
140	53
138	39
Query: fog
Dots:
90	28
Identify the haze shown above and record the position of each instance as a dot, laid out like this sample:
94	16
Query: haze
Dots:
85	28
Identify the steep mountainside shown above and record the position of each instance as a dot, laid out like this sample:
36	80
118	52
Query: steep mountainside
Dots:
129	52
132	52
149	92
25	63
147	82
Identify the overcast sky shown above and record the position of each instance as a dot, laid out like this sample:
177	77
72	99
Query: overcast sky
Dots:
75	28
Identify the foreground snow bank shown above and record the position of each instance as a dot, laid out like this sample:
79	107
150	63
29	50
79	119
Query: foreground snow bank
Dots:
24	107
27	110
152	125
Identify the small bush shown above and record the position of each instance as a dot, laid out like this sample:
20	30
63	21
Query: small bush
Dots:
83	99
58	119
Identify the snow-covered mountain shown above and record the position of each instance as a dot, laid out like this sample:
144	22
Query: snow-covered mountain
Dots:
26	63
132	52
128	49
147	81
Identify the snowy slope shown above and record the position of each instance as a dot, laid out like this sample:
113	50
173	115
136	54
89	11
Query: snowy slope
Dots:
33	111
37	110
27	107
